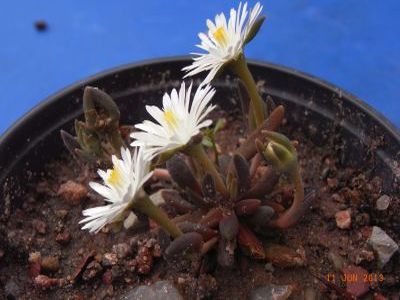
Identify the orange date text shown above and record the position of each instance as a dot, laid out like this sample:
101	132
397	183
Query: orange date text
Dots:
354	277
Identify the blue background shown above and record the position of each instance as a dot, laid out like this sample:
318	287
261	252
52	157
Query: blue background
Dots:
352	43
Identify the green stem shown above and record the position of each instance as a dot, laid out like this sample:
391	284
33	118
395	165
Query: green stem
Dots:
293	214
241	69
206	165
146	206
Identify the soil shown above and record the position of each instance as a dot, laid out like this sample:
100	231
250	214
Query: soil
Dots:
45	254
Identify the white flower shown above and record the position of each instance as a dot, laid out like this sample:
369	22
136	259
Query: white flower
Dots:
120	187
224	42
178	121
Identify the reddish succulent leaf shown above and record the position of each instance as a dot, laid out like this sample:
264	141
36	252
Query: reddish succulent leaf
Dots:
226	253
262	216
212	218
242	171
265	182
173	198
248	148
276	206
247	207
186	243
182	175
207	246
206	233
208	188
229	226
249	243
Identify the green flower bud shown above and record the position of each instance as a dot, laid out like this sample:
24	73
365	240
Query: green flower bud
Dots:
279	152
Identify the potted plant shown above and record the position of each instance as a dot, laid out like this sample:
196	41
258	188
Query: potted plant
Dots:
265	183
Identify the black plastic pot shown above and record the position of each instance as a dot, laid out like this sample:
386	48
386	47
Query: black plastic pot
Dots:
315	107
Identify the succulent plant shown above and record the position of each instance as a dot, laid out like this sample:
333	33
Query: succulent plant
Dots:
99	136
232	221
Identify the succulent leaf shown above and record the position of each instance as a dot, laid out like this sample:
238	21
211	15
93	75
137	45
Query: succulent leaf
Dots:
208	188
279	152
262	216
206	233
242	171
229	226
187	243
249	243
248	148
226	253
247	207
182	175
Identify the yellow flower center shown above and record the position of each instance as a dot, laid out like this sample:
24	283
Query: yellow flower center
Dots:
170	118
221	36
114	178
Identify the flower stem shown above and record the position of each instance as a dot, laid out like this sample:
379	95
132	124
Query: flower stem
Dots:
206	165
241	69
293	214
146	206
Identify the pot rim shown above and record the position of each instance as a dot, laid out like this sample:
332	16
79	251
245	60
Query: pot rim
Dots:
366	108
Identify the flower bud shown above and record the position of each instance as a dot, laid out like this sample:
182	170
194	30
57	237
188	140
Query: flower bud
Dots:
279	152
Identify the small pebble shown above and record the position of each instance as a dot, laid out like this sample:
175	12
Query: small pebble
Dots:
325	173
109	259
50	263
72	192
46	282
122	250
383	202
63	238
271	291
343	219
383	245
61	213
34	257
364	255
158	198
355	283
161	290
131	221
39	226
